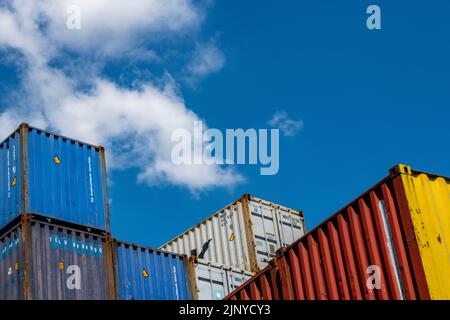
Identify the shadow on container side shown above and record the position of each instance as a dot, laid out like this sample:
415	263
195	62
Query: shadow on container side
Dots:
392	242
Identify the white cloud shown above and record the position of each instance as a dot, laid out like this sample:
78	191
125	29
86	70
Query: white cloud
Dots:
107	26
288	126
207	59
134	124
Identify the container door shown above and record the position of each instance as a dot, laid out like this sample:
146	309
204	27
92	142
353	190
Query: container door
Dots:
235	278
210	281
273	229
290	227
264	231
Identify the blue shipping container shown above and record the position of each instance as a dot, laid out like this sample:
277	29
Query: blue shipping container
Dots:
43	261
54	176
148	274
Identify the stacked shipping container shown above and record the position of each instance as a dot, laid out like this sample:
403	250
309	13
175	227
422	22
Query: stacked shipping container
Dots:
148	274
213	281
392	242
42	260
54	218
245	234
51	175
55	240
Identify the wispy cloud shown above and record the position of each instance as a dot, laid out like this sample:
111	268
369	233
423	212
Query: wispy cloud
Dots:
287	126
207	58
134	123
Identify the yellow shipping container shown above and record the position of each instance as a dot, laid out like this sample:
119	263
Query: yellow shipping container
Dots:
428	198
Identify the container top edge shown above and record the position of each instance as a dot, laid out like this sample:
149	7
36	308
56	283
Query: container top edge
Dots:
49	132
132	244
270	203
245	196
399	169
10	227
37	218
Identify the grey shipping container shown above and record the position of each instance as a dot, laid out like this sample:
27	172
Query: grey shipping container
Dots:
44	261
51	175
245	234
212	281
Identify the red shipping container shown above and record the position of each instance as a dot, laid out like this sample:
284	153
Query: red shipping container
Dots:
367	250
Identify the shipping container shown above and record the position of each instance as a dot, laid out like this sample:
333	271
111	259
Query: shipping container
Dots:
147	274
392	242
51	175
211	281
44	261
245	234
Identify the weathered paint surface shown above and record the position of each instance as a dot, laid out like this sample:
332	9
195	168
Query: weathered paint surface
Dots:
380	246
429	204
11	276
64	264
53	176
10	179
67	265
214	281
148	274
245	234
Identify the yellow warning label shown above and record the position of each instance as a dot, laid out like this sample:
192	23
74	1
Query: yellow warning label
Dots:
17	266
232	237
14	182
61	266
57	160
145	273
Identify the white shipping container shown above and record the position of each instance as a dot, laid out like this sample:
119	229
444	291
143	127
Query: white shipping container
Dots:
212	281
245	234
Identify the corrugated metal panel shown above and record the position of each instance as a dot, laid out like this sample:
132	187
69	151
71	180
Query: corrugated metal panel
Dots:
10	179
367	250
11	276
214	281
67	264
63	264
273	227
245	234
54	176
429	204
148	274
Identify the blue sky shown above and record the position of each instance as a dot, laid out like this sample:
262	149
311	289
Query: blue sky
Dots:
368	100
